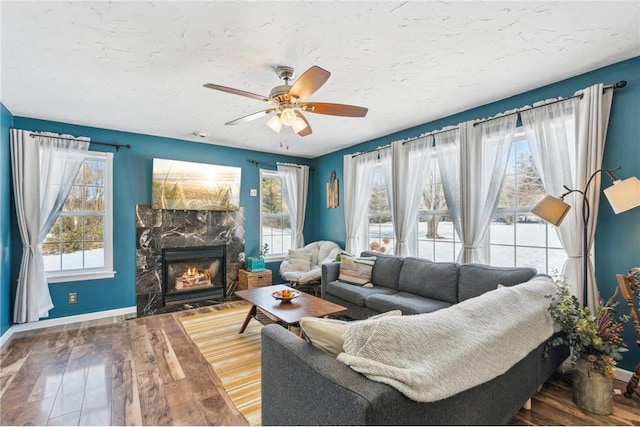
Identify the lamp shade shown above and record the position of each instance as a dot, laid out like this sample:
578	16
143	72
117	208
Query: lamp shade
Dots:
299	125
624	195
551	209
275	123
288	117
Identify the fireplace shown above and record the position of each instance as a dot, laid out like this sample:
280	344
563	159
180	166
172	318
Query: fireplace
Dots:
193	273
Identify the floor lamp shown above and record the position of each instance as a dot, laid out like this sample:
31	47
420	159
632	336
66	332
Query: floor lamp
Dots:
622	196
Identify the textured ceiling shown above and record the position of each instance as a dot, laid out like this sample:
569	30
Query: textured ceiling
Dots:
140	67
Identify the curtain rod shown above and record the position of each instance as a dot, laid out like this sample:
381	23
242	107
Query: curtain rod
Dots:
118	146
371	151
424	135
618	85
257	163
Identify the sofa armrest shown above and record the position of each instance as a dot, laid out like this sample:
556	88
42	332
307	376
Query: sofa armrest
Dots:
330	272
302	385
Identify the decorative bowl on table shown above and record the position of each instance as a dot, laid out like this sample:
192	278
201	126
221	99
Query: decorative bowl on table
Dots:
285	295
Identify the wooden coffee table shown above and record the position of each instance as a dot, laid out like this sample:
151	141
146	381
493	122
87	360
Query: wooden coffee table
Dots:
290	312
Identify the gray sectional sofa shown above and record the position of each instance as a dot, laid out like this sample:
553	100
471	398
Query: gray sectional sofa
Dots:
415	285
302	385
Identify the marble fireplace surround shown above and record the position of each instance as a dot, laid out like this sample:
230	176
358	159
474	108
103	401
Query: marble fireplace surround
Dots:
158	228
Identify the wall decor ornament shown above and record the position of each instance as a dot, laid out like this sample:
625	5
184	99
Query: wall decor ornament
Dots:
332	191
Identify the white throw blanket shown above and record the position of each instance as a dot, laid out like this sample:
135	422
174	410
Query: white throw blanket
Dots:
429	357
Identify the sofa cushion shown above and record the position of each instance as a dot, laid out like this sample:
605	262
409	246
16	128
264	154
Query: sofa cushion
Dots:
326	334
476	279
353	293
408	303
434	280
386	271
356	270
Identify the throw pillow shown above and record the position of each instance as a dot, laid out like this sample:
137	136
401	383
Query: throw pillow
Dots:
326	334
356	271
299	261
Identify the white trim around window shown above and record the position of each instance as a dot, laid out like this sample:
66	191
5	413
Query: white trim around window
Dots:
106	271
274	256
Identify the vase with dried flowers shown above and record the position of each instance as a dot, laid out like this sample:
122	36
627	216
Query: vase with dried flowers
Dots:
596	346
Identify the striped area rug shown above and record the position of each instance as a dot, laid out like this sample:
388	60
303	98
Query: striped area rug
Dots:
234	357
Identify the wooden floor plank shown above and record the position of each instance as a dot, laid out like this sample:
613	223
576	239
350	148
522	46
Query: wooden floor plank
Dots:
9	372
72	387
96	405
184	409
147	371
125	405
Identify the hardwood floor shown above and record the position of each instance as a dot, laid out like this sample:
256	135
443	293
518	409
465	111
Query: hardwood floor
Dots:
147	372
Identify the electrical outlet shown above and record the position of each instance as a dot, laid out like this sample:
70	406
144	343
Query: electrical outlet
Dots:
73	297
253	192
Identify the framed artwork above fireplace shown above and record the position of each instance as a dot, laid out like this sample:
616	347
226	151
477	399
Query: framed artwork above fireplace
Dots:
182	185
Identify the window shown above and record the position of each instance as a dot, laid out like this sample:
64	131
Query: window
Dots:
516	236
381	237
437	238
275	221
79	244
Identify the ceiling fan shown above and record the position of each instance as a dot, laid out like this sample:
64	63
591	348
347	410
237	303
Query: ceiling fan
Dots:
289	101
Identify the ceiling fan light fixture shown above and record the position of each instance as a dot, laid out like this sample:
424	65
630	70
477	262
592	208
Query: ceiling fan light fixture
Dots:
299	125
288	117
275	123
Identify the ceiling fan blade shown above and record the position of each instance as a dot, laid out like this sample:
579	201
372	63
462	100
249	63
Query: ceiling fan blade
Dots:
236	92
306	131
335	109
251	117
309	82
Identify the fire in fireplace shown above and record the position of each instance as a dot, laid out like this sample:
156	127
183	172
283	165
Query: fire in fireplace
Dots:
193	273
193	278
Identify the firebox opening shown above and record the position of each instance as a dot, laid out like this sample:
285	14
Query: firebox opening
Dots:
193	273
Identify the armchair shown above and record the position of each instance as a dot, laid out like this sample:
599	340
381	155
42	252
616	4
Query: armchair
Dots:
319	253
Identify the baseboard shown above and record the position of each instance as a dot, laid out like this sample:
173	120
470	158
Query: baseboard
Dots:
64	320
623	375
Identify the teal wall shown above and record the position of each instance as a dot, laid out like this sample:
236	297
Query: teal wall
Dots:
6	122
132	186
617	236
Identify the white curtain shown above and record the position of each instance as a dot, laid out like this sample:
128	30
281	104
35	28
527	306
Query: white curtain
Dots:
484	151
447	150
295	184
43	171
359	170
473	161
592	122
551	132
567	141
411	163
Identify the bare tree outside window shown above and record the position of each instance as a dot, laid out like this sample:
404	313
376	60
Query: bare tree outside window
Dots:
516	236
380	227
437	239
